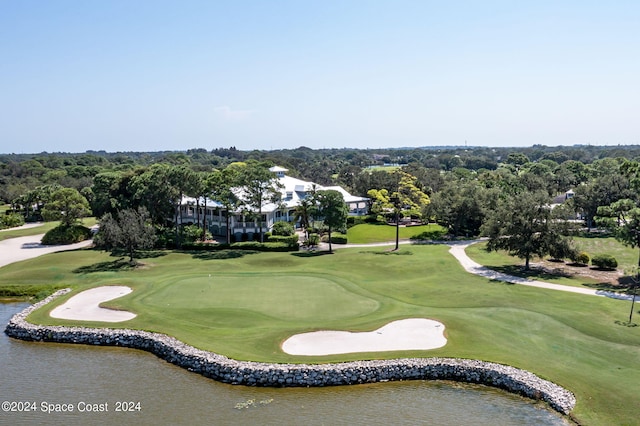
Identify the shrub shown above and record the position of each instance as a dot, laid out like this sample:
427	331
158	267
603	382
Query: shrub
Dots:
339	238
372	218
245	245
11	220
192	233
165	237
284	229
434	234
66	235
291	240
581	258
355	220
314	240
604	261
251	245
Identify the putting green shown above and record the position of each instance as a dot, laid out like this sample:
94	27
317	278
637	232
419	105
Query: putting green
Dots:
255	301
287	297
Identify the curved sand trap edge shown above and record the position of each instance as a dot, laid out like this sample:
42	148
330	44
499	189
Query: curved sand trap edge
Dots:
85	306
401	335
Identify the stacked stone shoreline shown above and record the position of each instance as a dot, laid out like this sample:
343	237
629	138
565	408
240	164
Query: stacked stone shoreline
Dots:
248	373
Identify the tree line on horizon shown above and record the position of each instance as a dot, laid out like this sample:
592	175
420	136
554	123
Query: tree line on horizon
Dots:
459	188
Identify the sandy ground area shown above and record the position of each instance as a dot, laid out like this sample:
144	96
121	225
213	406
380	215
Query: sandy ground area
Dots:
85	306
407	334
22	248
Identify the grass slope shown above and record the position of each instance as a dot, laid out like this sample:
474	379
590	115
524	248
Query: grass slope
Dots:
374	233
244	305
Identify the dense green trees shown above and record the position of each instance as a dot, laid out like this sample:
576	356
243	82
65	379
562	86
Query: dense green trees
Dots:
222	186
259	187
466	188
623	219
403	195
525	226
129	230
66	205
460	207
332	210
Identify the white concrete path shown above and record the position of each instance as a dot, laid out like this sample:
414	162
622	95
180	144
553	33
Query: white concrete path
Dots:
25	226
22	248
458	251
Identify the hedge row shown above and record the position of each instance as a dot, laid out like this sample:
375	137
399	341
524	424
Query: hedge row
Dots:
291	239
247	245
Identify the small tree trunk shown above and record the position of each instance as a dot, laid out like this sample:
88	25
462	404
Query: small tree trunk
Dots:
635	288
260	222
330	250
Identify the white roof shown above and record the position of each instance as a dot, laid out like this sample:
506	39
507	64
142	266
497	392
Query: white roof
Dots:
276	169
292	192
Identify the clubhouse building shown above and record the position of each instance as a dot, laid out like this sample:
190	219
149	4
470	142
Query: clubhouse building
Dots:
243	222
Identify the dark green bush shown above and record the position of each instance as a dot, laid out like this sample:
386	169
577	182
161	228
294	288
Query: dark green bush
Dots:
291	240
11	220
355	220
251	245
314	240
435	234
66	235
284	229
245	245
372	218
604	261
339	239
581	258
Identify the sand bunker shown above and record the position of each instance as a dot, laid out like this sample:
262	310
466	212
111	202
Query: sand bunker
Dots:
85	306
402	335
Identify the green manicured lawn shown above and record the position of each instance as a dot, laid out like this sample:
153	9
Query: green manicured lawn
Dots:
244	305
374	233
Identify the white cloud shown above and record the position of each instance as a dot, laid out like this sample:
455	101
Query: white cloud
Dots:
232	115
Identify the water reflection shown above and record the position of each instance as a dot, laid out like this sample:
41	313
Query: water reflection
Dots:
70	374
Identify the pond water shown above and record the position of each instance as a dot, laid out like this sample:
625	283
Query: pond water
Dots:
154	392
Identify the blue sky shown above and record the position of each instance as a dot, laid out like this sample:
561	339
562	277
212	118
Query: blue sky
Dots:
159	75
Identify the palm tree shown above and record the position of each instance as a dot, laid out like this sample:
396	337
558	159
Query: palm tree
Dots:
302	213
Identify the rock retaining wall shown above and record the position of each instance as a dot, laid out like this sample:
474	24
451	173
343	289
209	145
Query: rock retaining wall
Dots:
231	371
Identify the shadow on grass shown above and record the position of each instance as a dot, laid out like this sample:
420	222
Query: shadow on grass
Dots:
605	286
390	252
625	284
496	281
626	323
220	254
310	253
150	254
532	273
121	264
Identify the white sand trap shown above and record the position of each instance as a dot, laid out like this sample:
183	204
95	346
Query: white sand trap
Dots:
85	306
401	335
